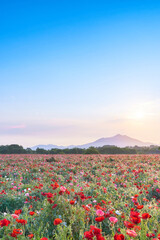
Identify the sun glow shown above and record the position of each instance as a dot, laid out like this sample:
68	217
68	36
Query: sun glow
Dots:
139	115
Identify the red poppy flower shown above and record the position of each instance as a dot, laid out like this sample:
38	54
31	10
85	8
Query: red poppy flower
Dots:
22	221
72	202
57	221
4	222
96	231
140	206
99	219
134	214
54	206
135	220
146	215
88	235
31	236
16	232
119	236
18	212
31	213
128	224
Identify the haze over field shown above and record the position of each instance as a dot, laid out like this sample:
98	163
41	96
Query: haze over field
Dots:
75	71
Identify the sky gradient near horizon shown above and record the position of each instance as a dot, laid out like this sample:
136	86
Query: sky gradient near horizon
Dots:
75	71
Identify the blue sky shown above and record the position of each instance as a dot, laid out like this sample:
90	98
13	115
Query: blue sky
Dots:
75	71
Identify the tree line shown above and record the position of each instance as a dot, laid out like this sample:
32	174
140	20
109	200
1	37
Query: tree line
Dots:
108	149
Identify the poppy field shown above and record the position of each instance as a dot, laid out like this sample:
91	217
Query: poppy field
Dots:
75	197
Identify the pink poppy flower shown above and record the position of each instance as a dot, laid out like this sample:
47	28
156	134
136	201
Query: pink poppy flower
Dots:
15	215
99	213
63	189
113	219
131	233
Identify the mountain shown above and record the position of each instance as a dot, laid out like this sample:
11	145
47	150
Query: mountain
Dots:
47	147
117	140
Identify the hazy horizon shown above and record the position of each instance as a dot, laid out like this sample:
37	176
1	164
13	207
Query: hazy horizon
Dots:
102	138
72	72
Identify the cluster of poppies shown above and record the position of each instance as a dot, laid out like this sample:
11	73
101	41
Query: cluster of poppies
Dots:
94	197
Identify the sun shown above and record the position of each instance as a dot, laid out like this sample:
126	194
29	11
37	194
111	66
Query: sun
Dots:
139	115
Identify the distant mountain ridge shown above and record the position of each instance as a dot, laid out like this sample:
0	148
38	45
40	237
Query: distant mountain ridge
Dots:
117	140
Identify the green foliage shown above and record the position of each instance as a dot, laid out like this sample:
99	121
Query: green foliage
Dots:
107	149
11	203
12	149
91	150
